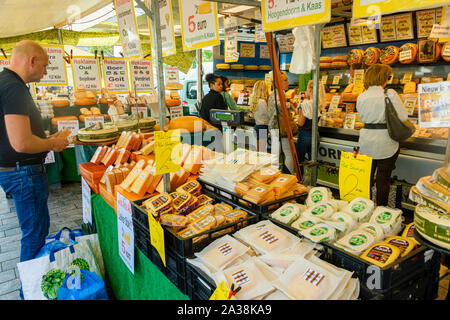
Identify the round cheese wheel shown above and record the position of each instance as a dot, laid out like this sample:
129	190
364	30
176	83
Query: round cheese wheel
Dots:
389	55
325	65
85	101
326	59
222	66
339	64
371	56
60	103
237	66
355	56
251	67
432	225
339	59
265	68
173	102
408	47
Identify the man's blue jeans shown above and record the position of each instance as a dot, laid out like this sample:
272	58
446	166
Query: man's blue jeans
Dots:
29	189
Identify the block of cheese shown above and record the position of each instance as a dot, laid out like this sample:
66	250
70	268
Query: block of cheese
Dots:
204	199
99	154
429	187
321	232
405	245
221	208
203	224
183	176
408	232
111	157
360	208
122	157
257	194
194	160
158	203
356	242
121	142
304	223
156	180
266	175
125	172
103	179
283	183
140	184
110	181
235	215
173	220
119	176
317	195
126	184
199	213
323	210
287	214
182	202
149	148
420	198
381	254
386	218
375	230
129	142
442	177
193	187
108	151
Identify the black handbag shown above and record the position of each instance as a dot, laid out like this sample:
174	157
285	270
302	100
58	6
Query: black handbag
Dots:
398	130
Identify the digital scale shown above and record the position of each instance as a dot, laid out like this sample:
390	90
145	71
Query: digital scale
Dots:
227	119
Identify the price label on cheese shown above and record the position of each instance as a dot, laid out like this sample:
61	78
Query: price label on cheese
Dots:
176	112
336	80
335	102
89	121
125	231
324	79
157	237
128	29
407	77
167	151
199	26
405	55
410	104
86	199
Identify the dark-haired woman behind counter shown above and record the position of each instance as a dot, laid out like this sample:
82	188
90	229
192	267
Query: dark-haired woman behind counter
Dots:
214	98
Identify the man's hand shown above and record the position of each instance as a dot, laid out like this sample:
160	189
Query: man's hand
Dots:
58	144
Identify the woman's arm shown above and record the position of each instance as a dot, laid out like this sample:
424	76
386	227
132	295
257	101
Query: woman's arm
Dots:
301	117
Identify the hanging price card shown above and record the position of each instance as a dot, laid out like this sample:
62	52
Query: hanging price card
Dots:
166	27
125	231
157	237
56	69
387	29
231	40
128	29
260	36
354	176
359	81
425	21
369	34
278	15
247	50
86	72
354	35
115	73
167	151
199	26
334	36
142	75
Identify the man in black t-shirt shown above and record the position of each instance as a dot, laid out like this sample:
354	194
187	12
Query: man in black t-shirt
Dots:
24	145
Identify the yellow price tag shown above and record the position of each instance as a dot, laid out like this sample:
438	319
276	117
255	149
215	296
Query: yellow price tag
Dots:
359	81
167	151
157	237
221	293
407	77
336	80
324	79
354	176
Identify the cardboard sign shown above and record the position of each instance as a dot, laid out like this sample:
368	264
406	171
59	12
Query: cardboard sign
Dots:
56	69
264	52
334	37
86	199
387	29
86	72
115	74
199	24
247	50
425	21
231	40
167	151
157	237
434	109
404	26
354	176
286	43
349	122
278	15
142	75
128	29
369	34
125	231
354	35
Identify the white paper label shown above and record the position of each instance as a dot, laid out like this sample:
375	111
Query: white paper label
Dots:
172	74
86	199
56	69
50	158
142	75
86	72
126	20
125	231
72	125
89	121
115	73
405	55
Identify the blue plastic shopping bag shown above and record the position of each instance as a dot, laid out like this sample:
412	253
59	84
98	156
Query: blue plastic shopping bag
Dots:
82	285
54	244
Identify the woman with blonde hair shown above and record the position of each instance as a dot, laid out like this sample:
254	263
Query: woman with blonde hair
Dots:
259	109
374	139
305	112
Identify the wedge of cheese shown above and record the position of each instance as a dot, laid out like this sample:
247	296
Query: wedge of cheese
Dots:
111	157
122	157
156	181
149	148
110	181
126	184
381	254
99	154
119	176
141	184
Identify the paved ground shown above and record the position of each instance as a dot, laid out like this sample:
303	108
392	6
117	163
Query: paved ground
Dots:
65	211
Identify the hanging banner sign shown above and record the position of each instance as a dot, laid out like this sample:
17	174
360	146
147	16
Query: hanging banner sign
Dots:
128	29
56	69
334	37
125	231
387	29
260	36
354	35
142	75
199	24
434	106
366	8
166	27
86	72
425	21
4	63
115	73
231	40
279	15
354	176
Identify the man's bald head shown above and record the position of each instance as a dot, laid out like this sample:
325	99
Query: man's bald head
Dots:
29	60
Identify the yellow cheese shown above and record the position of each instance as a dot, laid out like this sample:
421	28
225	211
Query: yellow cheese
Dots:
126	184
406	245
194	160
381	254
204	7
408	232
140	185
146	150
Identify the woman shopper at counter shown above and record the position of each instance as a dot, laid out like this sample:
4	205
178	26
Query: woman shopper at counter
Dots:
259	109
229	100
275	116
374	139
305	112
214	98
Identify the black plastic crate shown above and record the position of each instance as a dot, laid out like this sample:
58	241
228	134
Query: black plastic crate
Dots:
235	200
416	261
185	247
199	285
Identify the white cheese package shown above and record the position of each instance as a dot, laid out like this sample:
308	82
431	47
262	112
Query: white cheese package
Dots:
277	295
347	219
221	253
317	195
341	204
308	280
322	210
287	214
304	223
388	219
253	276
356	242
375	230
360	209
265	237
321	232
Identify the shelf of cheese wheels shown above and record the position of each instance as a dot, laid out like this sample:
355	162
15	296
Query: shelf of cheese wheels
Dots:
241	67
432	213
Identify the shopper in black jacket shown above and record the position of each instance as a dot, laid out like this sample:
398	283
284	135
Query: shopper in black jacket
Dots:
214	99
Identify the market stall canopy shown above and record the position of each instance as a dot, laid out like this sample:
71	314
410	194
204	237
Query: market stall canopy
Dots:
18	17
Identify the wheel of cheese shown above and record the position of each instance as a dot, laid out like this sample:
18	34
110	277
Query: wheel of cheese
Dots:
349	97
189	123
339	64
444	47
339	59
85	101
433	225
406	47
60	103
326	59
237	67
325	65
389	55
355	56
371	56
438	51
222	66
265	68
173	102
55	120
251	67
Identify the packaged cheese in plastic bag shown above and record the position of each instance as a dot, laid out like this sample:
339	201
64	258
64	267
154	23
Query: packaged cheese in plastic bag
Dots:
266	237
360	209
304	223
222	252
387	219
347	219
317	195
287	214
356	242
321	232
375	230
322	210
